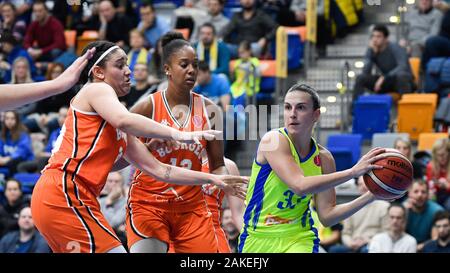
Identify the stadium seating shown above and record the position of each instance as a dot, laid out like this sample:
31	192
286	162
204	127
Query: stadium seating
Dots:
415	114
28	181
346	149
371	115
426	140
386	140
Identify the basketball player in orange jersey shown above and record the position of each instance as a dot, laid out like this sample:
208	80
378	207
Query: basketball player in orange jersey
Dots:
214	197
64	202
15	95
160	213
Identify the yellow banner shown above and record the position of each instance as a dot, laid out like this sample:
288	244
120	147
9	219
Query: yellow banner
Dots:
281	54
311	20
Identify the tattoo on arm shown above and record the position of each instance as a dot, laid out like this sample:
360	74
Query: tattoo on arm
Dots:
167	174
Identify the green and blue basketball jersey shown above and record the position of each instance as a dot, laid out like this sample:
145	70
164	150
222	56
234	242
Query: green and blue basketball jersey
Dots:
274	210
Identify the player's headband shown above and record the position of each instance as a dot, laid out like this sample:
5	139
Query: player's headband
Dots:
102	57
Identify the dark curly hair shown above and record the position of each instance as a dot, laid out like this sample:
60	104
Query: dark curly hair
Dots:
100	48
171	42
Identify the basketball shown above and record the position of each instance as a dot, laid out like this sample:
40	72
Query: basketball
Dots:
394	179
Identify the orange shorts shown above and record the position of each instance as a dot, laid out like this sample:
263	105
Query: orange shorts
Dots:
69	216
189	232
222	241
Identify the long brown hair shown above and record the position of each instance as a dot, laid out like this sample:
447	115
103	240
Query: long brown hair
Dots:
439	144
17	129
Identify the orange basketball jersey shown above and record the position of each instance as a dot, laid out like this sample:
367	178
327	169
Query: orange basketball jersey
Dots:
163	195
214	197
86	149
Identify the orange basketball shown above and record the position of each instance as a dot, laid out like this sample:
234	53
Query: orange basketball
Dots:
394	179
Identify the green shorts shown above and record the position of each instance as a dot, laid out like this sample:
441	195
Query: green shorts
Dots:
299	243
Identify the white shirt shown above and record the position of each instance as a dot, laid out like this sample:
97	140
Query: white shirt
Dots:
383	243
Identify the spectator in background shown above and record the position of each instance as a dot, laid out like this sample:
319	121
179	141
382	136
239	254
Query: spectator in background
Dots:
251	24
156	68
10	23
230	229
215	18
363	225
41	159
113	204
151	25
438	173
421	212
423	21
14	202
113	27
27	239
391	60
214	87
13	50
439	45
137	54
442	243
141	88
189	16
246	75
23	9
15	143
394	240
214	52
47	109
21	73
44	39
403	145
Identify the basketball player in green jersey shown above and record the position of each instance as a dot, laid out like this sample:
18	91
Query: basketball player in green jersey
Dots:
289	169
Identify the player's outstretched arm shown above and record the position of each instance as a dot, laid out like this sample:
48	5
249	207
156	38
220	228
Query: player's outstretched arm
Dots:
138	155
15	95
274	148
103	100
329	213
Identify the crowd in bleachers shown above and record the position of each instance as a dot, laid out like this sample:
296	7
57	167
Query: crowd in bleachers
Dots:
235	44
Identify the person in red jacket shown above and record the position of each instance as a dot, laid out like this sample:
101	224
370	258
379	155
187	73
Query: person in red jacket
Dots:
44	39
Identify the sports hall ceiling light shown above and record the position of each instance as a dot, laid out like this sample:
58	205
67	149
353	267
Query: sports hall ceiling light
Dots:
410	2
331	99
359	64
393	19
351	74
323	109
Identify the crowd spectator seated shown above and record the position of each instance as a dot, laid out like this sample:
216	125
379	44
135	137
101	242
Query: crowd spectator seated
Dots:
15	143
421	212
113	27
214	17
252	25
23	9
438	173
230	229
113	204
213	51
245	74
151	25
394	240
363	225
44	39
25	240
13	50
141	87
11	206
423	21
41	158
213	86
138	53
404	146
9	22
391	60
441	223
